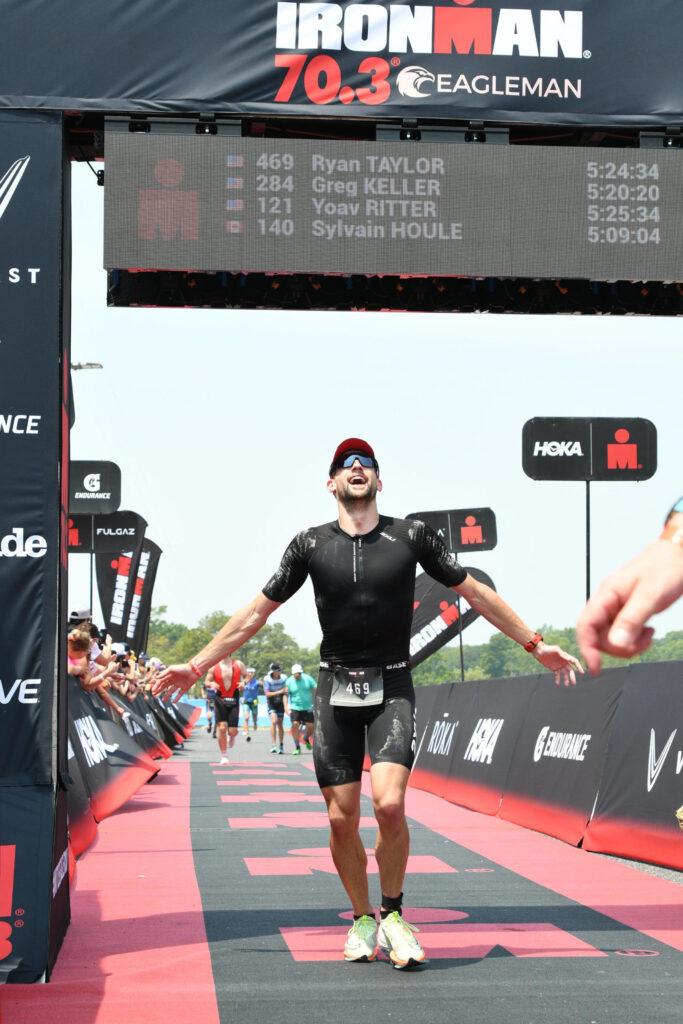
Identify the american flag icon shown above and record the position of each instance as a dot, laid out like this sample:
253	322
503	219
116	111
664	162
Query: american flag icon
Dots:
233	227
234	204
234	160
234	182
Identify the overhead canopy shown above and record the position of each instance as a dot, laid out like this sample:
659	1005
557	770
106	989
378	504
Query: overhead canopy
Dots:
603	62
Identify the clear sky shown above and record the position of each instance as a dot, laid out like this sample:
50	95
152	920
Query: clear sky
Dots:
223	423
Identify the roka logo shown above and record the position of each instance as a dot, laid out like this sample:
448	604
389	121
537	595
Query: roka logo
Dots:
555	448
13	545
10	181
92	482
655	764
442	737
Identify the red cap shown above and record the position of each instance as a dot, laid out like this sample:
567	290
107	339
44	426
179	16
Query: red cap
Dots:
352	444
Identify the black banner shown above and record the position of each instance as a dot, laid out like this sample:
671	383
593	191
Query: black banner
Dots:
82	824
116	577
487	739
559	751
473	529
596	448
95	487
112	762
436	618
640	787
105	533
601	62
34	184
137	624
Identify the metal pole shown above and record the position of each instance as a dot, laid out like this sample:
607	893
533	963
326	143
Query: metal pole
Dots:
588	539
462	653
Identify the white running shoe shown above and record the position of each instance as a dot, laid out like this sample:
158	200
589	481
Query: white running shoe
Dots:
361	943
395	936
225	759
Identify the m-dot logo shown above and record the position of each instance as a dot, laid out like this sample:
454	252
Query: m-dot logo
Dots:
16	545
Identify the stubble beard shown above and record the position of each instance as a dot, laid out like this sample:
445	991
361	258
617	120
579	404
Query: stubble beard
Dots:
351	501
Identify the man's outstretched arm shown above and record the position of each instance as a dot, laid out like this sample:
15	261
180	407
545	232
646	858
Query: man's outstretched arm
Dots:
496	611
615	619
177	679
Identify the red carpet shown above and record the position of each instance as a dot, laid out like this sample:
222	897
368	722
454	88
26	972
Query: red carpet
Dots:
136	949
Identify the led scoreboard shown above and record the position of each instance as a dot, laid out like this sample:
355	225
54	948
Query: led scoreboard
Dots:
227	203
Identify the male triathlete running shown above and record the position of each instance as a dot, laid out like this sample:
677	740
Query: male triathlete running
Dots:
226	676
363	571
299	706
275	690
250	702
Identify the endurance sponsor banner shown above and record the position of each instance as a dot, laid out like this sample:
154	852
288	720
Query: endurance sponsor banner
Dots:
598	62
34	311
641	785
436	618
95	487
558	755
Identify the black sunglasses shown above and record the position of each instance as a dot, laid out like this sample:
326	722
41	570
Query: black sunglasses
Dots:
348	460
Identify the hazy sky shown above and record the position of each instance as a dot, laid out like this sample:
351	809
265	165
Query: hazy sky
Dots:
224	422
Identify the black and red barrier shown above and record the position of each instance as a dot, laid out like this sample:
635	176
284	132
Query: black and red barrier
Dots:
642	773
597	765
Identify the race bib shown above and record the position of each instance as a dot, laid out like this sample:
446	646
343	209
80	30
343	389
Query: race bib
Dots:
357	687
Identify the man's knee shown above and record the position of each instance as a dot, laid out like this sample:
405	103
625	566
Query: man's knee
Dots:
389	809
344	819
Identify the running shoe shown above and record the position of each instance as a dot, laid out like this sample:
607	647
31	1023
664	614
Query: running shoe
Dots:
361	943
273	750
248	738
309	745
297	750
224	760
395	937
281	750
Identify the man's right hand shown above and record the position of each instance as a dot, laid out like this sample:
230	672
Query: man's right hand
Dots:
174	681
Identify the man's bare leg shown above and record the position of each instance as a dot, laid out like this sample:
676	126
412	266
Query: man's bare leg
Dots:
348	852
222	730
392	847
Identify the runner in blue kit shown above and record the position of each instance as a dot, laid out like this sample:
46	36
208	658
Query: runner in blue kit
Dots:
250	702
362	566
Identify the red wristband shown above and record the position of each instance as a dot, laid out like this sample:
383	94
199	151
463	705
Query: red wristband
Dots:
532	644
195	668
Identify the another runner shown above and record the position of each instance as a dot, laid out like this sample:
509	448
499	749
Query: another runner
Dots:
226	676
362	567
275	690
299	706
250	702
209	691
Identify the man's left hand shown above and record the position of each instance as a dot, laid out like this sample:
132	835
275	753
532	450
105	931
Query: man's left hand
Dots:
561	664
